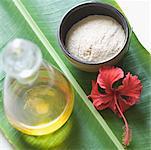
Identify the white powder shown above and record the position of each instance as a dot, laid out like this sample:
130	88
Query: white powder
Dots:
95	39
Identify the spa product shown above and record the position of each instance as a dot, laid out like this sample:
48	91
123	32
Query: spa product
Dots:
95	39
38	99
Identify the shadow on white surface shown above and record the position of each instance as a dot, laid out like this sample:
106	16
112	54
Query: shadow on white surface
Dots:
4	145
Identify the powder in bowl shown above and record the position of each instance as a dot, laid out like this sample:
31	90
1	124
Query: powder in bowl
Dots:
95	39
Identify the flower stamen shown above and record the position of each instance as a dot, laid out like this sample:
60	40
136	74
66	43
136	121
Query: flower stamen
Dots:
127	133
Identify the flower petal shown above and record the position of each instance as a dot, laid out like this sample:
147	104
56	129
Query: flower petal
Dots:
131	87
125	104
109	75
103	102
94	92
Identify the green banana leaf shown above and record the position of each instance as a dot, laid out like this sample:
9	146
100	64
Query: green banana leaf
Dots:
38	21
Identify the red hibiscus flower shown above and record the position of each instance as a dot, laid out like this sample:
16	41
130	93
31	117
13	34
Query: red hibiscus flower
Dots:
118	99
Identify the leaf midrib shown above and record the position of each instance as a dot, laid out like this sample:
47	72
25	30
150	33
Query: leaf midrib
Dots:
66	71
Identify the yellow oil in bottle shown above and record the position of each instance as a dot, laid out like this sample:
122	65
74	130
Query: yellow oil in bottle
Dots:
42	107
38	99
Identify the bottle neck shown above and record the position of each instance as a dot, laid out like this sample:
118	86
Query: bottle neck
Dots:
28	80
21	59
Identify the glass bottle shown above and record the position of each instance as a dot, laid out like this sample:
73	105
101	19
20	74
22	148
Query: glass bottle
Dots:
38	98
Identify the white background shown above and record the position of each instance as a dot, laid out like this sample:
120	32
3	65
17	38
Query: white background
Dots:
138	13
